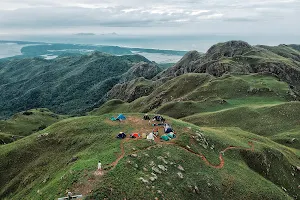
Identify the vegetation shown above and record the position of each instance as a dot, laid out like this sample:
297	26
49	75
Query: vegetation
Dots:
65	85
25	123
64	157
236	119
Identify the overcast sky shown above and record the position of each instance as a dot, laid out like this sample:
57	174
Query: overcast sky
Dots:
157	17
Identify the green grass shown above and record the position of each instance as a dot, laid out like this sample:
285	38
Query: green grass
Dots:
267	120
199	93
36	167
25	123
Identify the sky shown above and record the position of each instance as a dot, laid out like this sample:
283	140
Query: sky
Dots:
151	17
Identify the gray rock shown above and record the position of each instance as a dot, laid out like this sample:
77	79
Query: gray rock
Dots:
197	189
153	178
180	168
162	167
180	175
152	163
156	170
134	155
143	180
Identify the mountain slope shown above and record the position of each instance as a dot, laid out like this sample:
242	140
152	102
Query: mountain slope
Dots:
193	93
65	85
239	57
25	123
65	155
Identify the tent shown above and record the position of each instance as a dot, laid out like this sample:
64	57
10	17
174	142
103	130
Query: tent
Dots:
121	117
144	135
135	135
150	136
165	137
168	130
171	135
121	135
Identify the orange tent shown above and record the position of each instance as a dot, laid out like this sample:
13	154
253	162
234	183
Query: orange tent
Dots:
136	135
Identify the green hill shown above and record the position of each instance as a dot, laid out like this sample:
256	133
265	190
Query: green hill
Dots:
66	84
239	57
65	155
235	111
25	123
190	93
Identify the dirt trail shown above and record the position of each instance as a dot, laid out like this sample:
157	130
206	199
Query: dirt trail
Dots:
158	141
219	166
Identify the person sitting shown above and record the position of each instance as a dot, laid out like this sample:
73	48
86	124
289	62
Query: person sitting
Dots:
155	131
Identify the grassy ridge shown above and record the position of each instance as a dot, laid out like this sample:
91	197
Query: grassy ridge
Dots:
44	165
264	120
27	122
195	93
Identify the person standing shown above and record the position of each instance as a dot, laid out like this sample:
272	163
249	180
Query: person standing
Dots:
99	166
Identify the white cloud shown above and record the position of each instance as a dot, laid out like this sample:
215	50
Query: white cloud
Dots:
226	15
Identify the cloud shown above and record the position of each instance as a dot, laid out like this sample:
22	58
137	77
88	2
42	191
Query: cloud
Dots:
226	15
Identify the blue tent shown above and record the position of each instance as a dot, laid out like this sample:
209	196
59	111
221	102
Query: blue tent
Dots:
121	117
121	135
168	130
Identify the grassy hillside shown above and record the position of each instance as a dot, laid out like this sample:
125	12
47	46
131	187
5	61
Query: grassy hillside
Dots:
25	123
64	85
64	157
239	57
197	93
266	120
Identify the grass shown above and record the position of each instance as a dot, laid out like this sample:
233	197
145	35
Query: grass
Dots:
268	120
39	167
199	93
25	123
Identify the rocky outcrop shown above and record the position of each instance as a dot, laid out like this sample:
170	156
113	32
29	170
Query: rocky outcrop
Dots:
228	49
239	57
129	91
142	69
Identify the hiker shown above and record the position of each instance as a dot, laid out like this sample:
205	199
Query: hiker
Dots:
146	117
99	166
70	195
155	131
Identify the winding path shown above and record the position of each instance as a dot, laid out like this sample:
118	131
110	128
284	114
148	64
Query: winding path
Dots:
219	166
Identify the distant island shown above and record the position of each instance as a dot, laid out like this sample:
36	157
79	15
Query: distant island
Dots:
85	34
